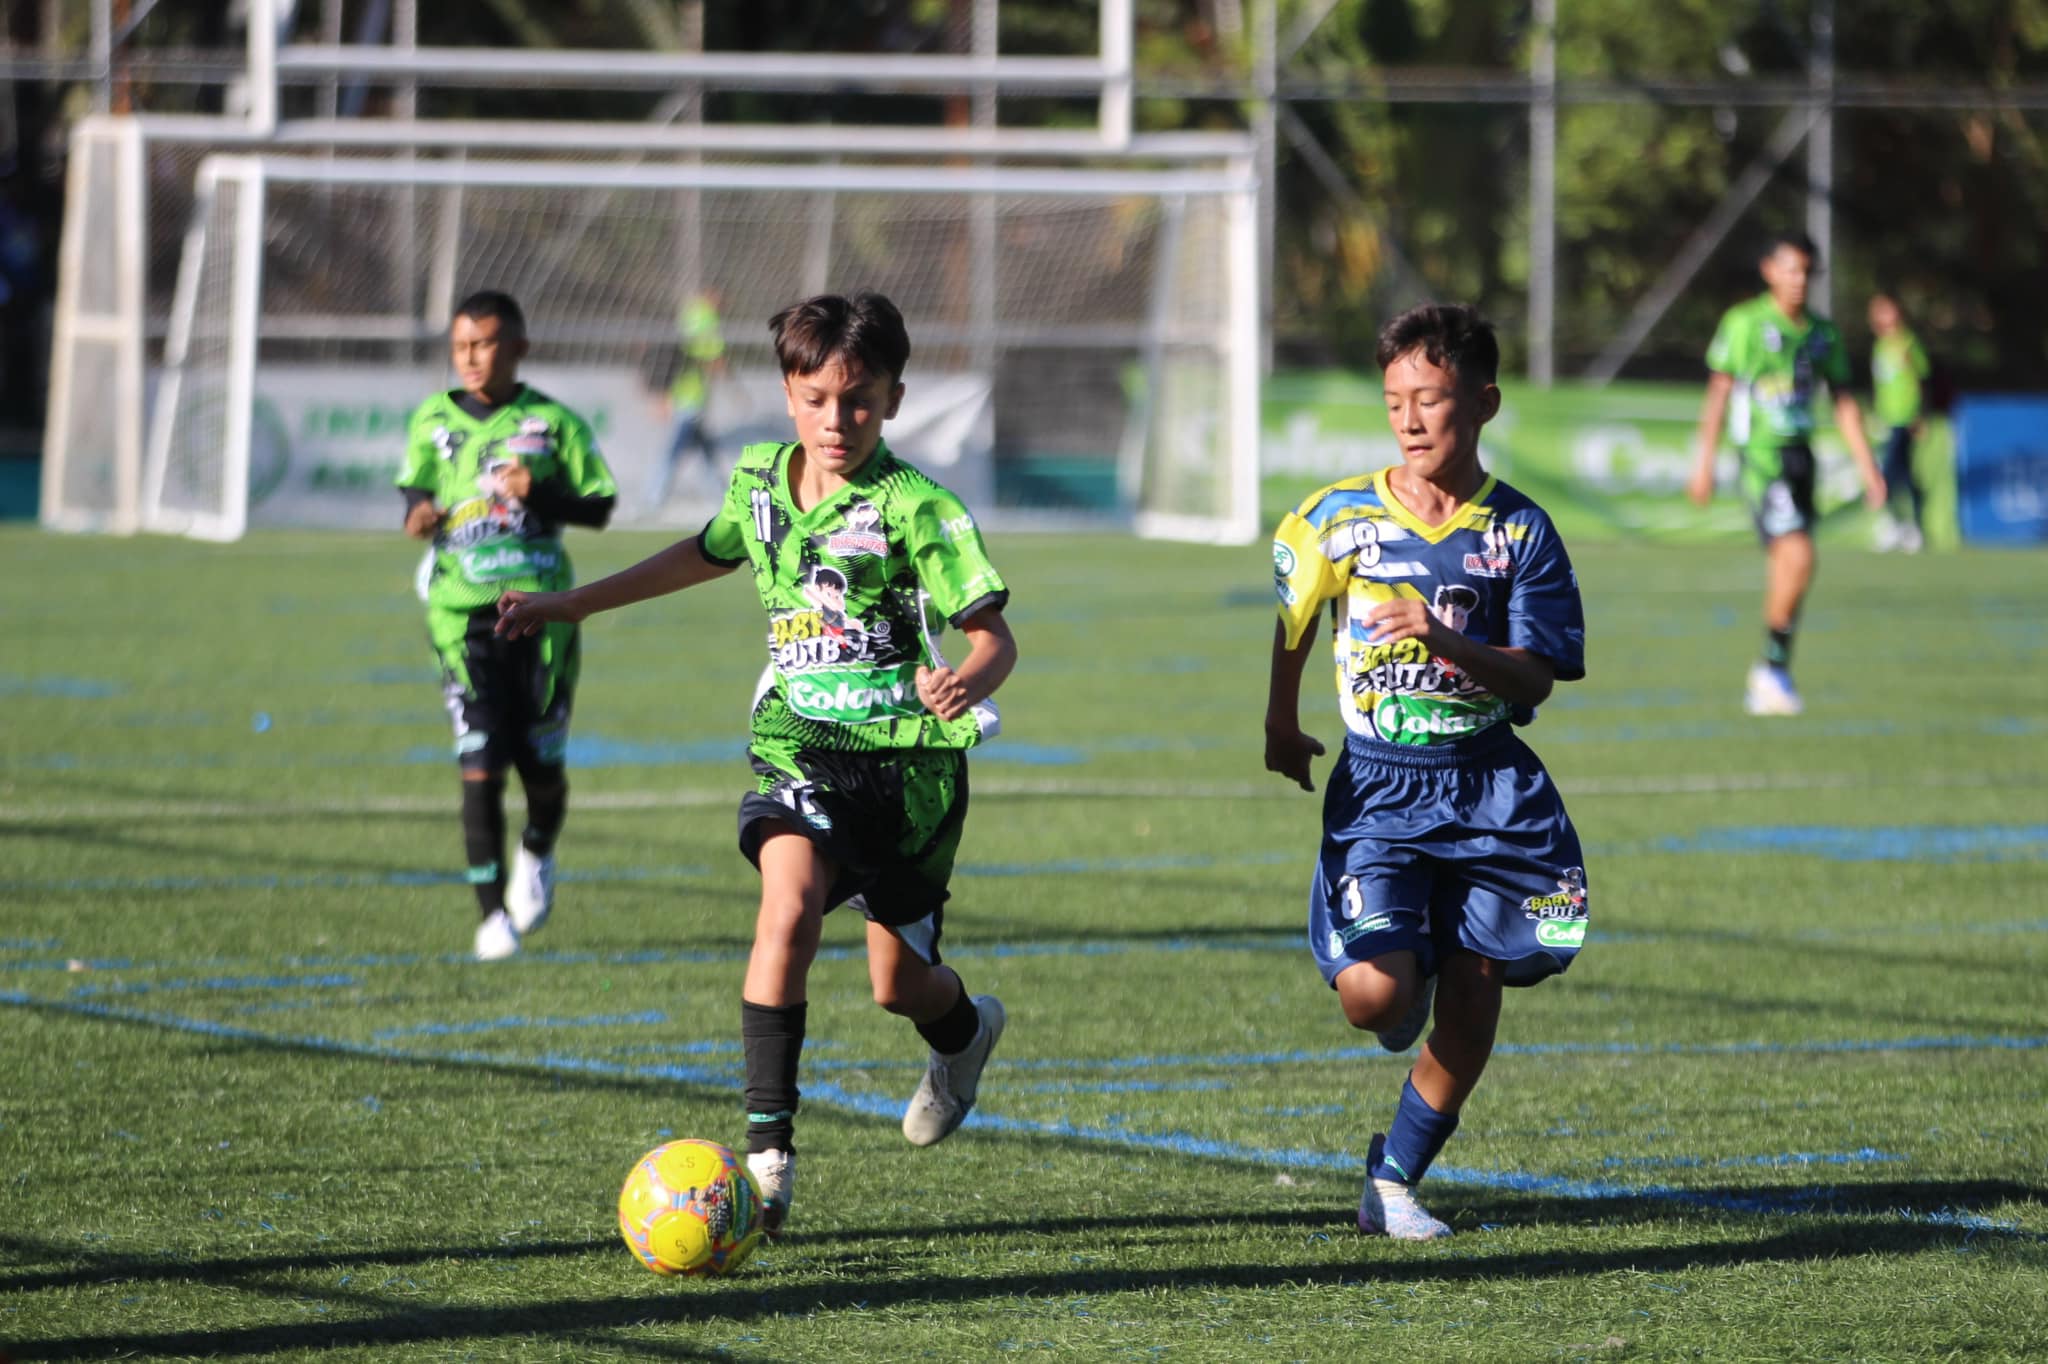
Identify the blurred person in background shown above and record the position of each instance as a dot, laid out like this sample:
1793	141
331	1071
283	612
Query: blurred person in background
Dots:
1899	370
1766	360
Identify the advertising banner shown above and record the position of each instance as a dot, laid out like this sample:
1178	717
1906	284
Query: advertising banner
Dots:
328	440
1606	463
2002	469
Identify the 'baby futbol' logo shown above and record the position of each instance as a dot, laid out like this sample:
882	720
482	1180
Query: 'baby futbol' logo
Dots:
1568	903
861	535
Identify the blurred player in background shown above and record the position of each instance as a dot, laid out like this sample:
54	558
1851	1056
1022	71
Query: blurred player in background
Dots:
860	728
1448	866
1769	355
493	471
1898	375
700	358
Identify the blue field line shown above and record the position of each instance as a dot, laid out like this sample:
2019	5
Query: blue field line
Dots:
1113	947
1897	843
1862	1156
332	880
516	1022
889	1108
230	984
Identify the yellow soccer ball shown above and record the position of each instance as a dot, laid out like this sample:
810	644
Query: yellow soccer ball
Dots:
691	1207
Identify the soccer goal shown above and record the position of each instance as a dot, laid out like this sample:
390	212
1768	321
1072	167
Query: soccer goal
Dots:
1085	340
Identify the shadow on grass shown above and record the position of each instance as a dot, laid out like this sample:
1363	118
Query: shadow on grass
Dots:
1871	1225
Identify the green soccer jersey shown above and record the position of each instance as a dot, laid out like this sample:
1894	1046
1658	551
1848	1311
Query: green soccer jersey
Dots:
490	542
856	589
1898	367
1777	366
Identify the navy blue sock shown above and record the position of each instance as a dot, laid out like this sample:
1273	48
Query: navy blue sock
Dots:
1417	1134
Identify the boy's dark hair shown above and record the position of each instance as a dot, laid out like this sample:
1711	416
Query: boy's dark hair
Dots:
1450	336
1793	238
487	303
865	327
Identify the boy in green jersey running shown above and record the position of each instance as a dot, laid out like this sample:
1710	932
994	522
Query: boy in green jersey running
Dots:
1768	356
860	728
493	471
1898	375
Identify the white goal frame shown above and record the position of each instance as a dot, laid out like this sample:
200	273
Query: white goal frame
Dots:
246	178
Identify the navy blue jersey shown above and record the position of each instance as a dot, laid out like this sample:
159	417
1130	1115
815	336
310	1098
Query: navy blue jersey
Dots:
1495	571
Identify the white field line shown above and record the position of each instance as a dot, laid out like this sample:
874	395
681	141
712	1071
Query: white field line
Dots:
1273	789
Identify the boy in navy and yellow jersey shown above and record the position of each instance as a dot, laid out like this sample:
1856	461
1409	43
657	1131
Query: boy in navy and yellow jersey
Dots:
1448	868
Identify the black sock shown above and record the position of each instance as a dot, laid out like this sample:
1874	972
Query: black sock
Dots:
1778	648
483	840
774	1038
952	1032
547	805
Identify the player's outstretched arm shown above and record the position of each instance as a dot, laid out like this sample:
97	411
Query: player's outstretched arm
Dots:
950	693
1288	750
679	566
1849	418
1712	412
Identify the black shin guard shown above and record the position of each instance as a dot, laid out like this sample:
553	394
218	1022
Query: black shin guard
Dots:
774	1038
483	839
547	805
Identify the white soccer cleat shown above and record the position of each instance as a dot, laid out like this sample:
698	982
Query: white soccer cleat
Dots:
946	1095
1388	1207
1886	535
1911	541
530	890
1770	692
1402	1035
775	1173
496	939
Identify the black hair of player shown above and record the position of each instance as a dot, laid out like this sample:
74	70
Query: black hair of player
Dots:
826	576
488	303
863	327
1793	238
1451	336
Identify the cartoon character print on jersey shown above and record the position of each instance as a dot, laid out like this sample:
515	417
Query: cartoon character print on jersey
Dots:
827	635
1454	605
1406	693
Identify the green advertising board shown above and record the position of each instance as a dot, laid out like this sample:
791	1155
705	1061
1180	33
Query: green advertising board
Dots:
1606	462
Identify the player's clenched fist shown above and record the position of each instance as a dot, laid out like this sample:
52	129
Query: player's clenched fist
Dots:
422	519
942	692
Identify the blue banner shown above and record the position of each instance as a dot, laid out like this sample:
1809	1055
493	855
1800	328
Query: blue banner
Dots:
2002	468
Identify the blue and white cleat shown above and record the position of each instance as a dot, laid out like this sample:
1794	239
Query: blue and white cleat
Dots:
1388	1207
1402	1035
1769	691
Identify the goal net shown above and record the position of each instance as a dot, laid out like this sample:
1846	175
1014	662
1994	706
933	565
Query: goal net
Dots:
1085	342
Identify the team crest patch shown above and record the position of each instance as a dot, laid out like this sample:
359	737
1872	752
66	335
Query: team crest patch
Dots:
1495	561
862	534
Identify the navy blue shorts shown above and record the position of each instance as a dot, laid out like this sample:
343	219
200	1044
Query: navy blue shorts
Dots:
1462	846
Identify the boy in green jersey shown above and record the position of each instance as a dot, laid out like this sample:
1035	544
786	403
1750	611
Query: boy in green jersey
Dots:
493	471
860	728
1768	356
1898	374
